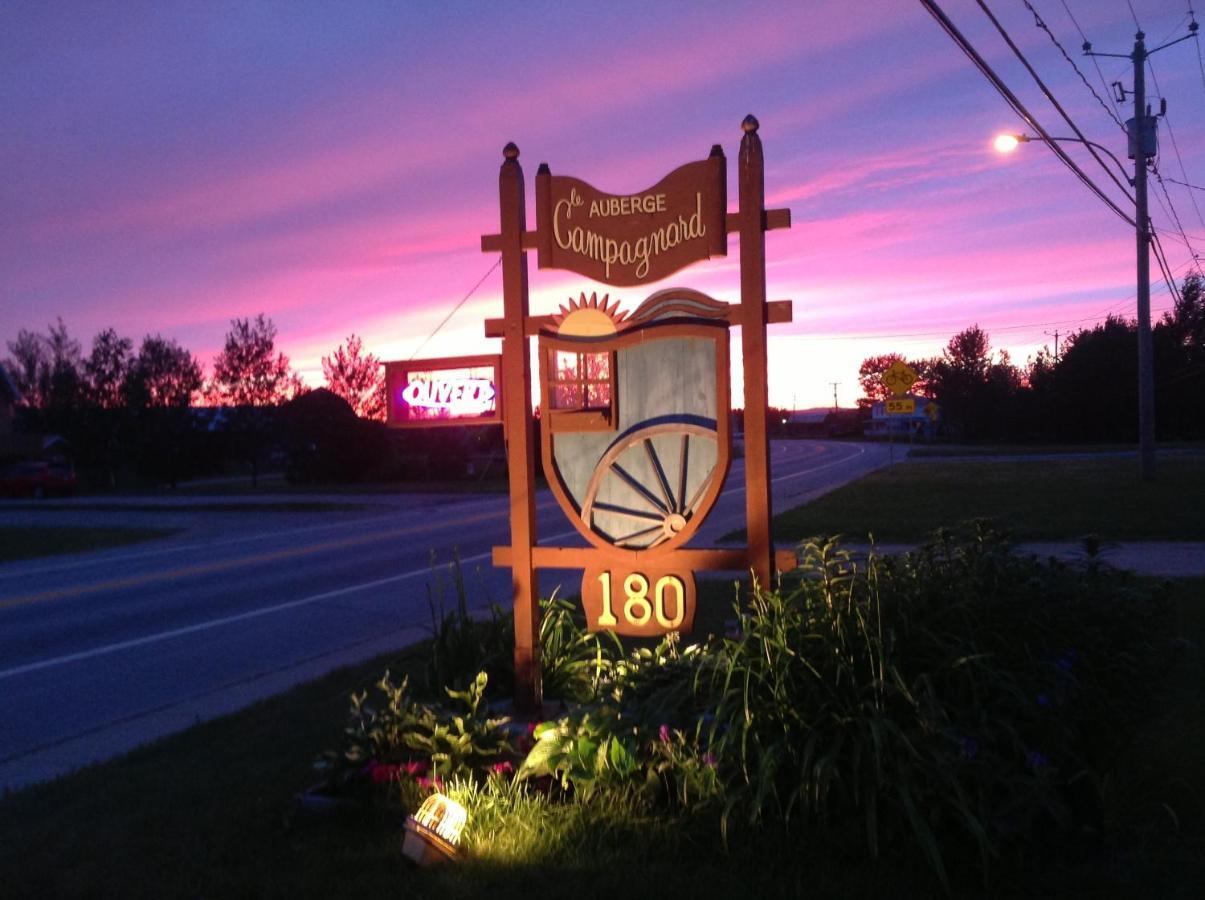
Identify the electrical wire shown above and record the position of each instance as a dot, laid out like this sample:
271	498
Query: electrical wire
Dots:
1040	23
1171	210
1103	83
1161	258
1133	15
462	302
1192	17
1175	144
1050	96
1186	184
1017	106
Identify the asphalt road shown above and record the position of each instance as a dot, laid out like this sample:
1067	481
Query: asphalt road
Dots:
100	652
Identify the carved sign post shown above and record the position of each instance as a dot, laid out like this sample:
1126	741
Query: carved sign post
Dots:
635	408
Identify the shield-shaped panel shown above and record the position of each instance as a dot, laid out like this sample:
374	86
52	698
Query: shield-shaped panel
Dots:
634	427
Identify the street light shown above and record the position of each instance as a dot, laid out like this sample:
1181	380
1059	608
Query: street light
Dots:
1143	146
1007	143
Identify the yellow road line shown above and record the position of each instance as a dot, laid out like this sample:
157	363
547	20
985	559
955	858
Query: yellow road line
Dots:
133	581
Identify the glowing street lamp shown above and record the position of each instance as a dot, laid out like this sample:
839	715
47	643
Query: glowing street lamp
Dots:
1007	143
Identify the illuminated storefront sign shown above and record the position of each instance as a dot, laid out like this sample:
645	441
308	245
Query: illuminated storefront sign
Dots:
459	390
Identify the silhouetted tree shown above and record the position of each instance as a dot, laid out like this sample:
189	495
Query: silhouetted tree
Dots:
65	387
976	394
163	374
357	377
29	367
249	371
253	377
106	369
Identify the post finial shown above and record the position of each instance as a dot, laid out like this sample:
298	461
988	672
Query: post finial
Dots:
511	150
750	124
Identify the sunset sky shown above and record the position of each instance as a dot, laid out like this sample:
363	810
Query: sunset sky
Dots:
166	166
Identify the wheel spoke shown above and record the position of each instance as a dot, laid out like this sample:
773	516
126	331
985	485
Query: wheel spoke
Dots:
638	487
629	537
703	485
683	463
628	513
651	452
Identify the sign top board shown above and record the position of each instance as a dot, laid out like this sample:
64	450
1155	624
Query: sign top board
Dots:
899	377
631	239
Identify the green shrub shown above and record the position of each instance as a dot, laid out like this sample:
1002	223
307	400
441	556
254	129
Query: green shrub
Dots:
394	735
930	707
573	661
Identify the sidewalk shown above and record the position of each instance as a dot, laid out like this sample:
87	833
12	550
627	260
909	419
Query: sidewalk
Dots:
1162	559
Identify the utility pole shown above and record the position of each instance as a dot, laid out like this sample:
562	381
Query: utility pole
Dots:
1143	141
834	384
1056	343
1146	364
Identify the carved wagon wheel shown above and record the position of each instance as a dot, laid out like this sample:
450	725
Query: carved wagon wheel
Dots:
662	472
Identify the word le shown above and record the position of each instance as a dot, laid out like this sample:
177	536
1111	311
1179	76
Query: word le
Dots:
636	608
445	393
609	251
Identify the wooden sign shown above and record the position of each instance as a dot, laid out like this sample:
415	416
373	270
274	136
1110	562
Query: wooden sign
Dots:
636	445
634	410
456	390
630	239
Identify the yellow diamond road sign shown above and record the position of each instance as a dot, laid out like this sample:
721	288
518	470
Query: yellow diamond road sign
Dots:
899	377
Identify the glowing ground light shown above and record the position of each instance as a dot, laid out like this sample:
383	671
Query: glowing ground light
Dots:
433	832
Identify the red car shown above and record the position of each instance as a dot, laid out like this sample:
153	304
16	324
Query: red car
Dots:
36	479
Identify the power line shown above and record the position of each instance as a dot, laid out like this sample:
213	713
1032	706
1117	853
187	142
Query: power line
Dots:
1083	37
462	302
1170	209
1037	20
1192	18
1134	15
1186	184
1175	143
1050	96
1017	106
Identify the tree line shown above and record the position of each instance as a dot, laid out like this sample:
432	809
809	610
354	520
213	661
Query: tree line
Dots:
151	410
1086	392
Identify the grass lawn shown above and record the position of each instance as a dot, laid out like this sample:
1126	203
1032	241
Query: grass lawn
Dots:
27	542
1048	499
210	813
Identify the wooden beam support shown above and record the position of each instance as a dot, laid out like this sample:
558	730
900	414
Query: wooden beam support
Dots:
751	184
518	430
492	243
771	220
717	559
777	312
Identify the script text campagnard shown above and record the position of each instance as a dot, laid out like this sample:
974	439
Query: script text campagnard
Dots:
608	250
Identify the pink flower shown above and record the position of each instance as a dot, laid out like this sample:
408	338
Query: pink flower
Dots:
502	768
415	767
383	773
663	733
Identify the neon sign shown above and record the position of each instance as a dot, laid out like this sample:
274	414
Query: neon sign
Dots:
452	391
